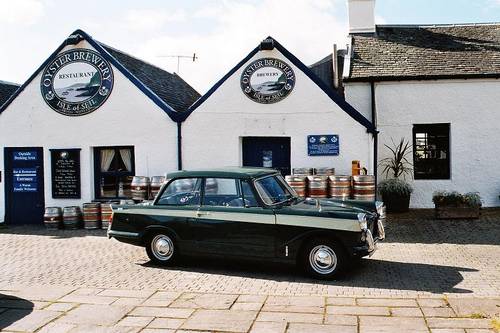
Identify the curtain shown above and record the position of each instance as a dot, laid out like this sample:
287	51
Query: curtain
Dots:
107	156
126	155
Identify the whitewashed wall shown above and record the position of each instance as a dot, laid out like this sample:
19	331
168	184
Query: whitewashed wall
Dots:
212	133
473	109
128	117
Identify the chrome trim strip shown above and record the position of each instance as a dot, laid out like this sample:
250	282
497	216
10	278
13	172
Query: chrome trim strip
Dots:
122	233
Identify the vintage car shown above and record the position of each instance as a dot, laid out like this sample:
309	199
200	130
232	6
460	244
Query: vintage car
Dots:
249	213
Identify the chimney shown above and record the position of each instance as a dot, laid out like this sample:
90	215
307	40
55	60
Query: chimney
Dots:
361	16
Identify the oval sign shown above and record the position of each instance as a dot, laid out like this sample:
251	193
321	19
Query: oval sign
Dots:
77	82
267	80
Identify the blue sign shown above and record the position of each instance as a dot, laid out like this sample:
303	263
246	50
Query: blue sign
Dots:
25	180
323	145
25	155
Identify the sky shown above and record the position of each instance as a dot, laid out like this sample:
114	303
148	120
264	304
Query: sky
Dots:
220	32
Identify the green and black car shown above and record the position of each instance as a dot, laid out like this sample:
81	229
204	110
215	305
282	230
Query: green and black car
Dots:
252	213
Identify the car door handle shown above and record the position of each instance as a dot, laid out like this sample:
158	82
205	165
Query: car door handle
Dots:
198	213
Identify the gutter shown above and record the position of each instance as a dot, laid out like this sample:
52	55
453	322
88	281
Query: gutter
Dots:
179	145
375	133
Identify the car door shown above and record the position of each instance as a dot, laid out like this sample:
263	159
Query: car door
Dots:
230	221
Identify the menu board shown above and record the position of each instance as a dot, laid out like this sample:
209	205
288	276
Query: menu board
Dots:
66	182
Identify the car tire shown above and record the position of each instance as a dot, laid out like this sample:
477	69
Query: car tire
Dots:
161	249
323	258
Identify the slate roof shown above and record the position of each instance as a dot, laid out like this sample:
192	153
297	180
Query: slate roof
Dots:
324	69
171	88
6	90
420	52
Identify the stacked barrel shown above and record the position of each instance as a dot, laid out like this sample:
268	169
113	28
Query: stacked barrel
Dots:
340	187
156	183
106	214
92	215
140	188
298	183
363	187
52	217
72	217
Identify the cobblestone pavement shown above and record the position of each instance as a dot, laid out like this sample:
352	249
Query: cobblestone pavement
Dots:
420	256
67	309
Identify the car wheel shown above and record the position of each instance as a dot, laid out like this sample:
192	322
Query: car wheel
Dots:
323	259
160	248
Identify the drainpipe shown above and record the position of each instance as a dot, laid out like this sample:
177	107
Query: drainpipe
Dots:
375	133
179	146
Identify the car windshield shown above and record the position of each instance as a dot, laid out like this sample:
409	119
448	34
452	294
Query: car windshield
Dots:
274	190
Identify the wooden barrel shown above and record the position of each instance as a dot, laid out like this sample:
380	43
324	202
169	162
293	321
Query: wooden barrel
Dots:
303	171
298	183
92	215
72	217
340	187
317	186
325	171
140	188
106	213
364	187
156	183
52	217
126	187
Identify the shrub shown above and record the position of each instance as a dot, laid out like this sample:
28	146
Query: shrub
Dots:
394	186
471	199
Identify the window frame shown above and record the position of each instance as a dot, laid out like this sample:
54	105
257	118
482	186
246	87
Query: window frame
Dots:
98	173
435	129
164	188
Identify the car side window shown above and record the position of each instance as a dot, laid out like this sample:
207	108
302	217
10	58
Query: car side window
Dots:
222	192
181	192
248	195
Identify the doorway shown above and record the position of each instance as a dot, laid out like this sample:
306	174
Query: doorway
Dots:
24	186
268	152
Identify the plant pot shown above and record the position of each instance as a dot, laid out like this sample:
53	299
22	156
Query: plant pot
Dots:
395	203
456	212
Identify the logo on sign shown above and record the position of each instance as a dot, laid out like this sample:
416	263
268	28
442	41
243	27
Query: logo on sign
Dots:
77	82
267	80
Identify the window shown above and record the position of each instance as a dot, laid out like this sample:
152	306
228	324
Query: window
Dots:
222	192
181	192
431	151
114	169
248	195
272	190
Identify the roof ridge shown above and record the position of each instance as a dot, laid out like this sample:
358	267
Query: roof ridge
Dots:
438	25
9	83
134	57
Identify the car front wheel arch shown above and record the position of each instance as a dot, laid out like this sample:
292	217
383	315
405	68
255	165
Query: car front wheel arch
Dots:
322	257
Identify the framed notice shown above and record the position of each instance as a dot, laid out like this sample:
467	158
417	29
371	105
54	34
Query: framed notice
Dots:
323	145
65	166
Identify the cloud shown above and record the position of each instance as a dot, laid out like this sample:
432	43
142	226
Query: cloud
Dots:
24	12
308	28
150	19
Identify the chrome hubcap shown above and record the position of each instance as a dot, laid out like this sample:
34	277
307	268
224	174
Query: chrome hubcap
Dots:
162	247
323	259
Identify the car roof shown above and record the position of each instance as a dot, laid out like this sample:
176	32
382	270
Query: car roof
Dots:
228	172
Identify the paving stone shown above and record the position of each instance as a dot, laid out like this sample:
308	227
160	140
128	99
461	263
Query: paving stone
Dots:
479	330
161	312
92	314
46	293
447	330
406	312
26	320
438	312
432	302
157	330
251	298
458	323
317	328
268	327
166	295
166	323
247	306
204	301
220	320
291	317
309	301
128	301
127	293
293	308
87	291
340	301
465	307
104	329
63	307
358	310
157	302
392	324
387	302
341	320
135	321
56	328
88	299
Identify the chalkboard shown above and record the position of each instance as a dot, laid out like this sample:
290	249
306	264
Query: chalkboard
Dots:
66	182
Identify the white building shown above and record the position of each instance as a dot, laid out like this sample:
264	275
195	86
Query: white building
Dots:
436	86
85	122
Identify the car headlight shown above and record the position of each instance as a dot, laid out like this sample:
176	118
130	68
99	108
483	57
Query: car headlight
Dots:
363	224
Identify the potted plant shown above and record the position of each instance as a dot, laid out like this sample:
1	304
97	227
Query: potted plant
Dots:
395	190
454	205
